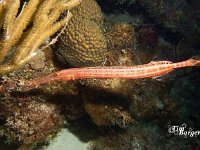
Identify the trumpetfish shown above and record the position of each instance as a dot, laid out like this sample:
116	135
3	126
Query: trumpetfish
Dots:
152	69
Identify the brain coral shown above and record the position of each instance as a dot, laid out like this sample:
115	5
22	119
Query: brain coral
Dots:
83	42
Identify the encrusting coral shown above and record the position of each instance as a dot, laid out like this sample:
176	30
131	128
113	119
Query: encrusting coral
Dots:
83	42
29	120
25	30
121	36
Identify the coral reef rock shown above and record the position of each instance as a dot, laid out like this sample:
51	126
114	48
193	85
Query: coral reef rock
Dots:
176	15
104	113
29	120
121	36
148	36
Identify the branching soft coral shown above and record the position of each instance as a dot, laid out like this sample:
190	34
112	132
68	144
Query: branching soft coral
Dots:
24	30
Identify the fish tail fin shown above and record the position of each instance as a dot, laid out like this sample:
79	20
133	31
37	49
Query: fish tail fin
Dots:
195	60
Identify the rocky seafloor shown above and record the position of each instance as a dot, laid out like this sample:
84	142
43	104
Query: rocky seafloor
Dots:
119	114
